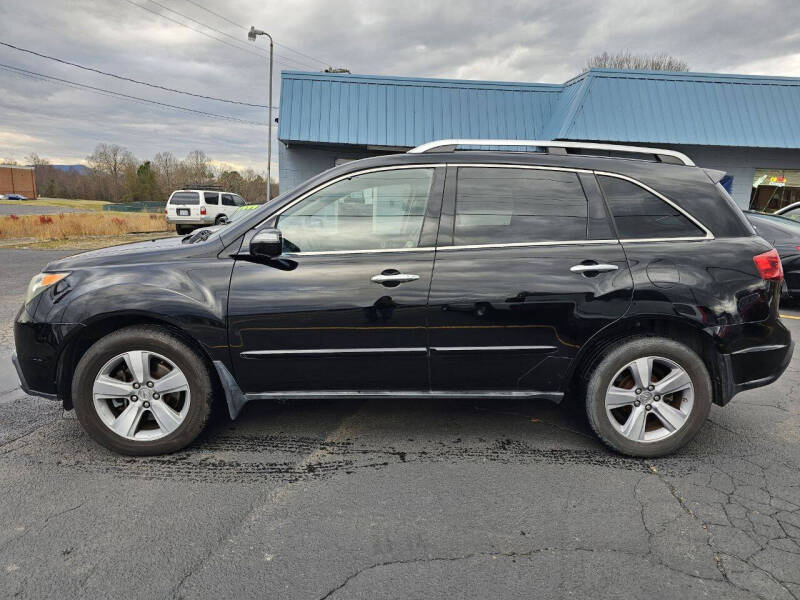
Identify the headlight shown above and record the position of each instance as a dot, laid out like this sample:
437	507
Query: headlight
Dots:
41	282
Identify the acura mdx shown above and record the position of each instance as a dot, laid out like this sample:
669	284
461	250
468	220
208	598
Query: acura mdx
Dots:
624	278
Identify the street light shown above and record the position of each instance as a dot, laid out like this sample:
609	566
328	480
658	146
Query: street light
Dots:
252	34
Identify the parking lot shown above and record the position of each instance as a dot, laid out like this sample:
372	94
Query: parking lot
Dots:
391	498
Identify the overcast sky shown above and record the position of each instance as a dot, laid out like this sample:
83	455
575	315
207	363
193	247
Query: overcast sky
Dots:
470	39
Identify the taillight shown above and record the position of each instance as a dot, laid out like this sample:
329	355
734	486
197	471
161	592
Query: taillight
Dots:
203	210
769	265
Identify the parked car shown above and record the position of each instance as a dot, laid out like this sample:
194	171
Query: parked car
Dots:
791	211
784	234
630	283
187	209
15	197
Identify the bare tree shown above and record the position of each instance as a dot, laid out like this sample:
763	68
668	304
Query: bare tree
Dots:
628	60
8	161
166	167
35	160
197	167
112	162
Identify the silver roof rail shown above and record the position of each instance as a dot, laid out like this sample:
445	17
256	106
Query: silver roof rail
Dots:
669	156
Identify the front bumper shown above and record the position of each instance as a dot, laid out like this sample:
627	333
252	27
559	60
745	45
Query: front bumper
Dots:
23	383
38	348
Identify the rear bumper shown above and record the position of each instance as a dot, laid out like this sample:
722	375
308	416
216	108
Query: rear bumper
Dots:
753	367
207	220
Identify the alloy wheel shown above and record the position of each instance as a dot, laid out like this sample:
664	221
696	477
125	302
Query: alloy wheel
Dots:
649	399
141	395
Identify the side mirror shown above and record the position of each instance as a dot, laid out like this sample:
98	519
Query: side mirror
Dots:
267	243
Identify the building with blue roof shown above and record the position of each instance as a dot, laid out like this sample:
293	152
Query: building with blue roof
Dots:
748	126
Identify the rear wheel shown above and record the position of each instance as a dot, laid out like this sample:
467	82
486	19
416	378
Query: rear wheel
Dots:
648	397
142	391
221	219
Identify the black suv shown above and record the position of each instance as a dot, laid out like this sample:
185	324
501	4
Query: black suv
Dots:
624	277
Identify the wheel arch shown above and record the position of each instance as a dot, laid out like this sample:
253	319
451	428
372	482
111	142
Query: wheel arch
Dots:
686	332
101	326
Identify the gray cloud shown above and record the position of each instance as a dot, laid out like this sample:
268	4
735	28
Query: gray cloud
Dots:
502	40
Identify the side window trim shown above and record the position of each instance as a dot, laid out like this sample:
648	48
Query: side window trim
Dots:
447	199
708	235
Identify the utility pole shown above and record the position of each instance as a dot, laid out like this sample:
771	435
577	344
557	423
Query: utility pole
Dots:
252	37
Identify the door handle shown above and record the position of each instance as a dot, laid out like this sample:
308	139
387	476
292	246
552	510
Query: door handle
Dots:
393	278
598	268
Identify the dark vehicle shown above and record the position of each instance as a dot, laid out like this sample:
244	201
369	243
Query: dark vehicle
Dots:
784	234
629	281
15	197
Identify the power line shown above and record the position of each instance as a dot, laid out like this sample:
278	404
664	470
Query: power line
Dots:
128	96
208	35
122	77
243	48
224	18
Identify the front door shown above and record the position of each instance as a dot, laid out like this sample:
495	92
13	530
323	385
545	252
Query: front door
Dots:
344	308
514	291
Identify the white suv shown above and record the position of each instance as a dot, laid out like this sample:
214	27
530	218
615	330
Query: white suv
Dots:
187	209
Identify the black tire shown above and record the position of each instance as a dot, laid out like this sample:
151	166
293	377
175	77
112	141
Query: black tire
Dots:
161	341
220	219
620	356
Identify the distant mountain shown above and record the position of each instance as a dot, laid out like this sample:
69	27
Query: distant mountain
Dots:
82	169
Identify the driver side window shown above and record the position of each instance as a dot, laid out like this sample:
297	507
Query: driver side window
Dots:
373	211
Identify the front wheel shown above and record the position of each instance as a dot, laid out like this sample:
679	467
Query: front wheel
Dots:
142	391
648	397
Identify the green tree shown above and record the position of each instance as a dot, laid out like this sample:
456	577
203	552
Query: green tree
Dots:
142	186
231	181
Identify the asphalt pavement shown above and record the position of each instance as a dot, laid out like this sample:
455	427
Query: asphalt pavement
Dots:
36	209
398	499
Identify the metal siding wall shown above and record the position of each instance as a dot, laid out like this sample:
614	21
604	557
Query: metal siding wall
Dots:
669	108
364	111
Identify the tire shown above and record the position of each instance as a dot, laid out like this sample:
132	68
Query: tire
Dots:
610	413
163	353
220	219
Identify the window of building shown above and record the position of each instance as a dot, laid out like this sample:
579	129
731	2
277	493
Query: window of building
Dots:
381	210
639	214
774	189
508	205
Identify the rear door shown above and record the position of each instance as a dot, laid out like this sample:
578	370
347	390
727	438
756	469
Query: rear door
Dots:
514	292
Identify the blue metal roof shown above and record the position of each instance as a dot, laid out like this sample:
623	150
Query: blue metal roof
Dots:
601	104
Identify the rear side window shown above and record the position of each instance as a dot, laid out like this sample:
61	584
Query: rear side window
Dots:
639	214
184	198
212	197
508	205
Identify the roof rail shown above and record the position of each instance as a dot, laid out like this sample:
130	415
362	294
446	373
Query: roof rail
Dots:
558	147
